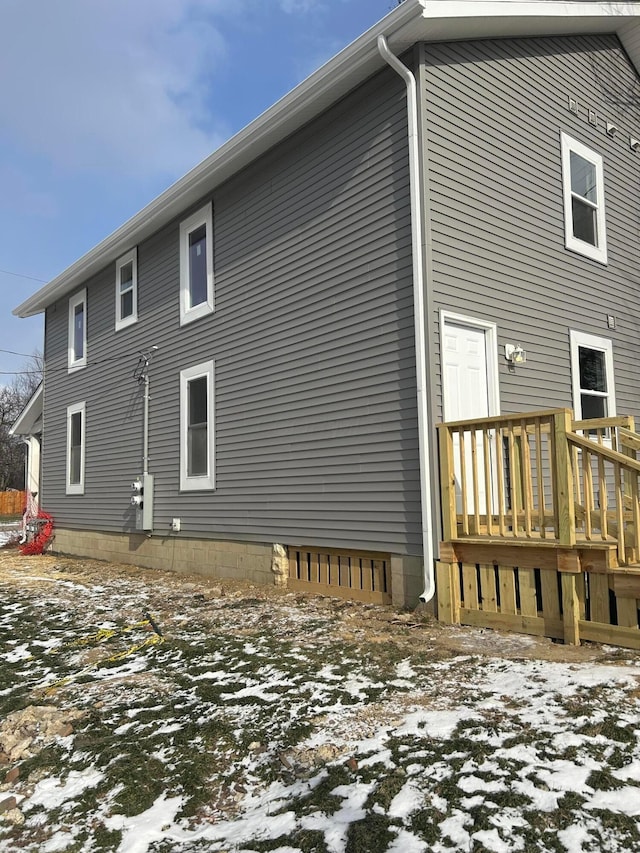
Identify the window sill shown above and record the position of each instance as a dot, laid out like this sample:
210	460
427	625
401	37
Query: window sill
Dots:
202	310
74	490
198	486
587	251
124	324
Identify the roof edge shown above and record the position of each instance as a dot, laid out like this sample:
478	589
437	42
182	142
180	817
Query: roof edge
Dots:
28	417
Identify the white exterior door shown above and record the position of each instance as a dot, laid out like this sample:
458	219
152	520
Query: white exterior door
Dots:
469	391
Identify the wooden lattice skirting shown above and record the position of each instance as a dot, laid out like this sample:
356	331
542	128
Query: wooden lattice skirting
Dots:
571	606
356	575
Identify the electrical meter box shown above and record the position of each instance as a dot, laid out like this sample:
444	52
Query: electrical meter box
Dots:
142	500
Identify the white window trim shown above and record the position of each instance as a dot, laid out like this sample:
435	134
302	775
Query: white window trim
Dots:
581	339
76	488
202	482
132	258
599	252
77	363
204	216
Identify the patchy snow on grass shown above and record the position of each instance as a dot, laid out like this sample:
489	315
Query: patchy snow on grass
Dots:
271	722
17	654
9	531
51	793
435	724
573	838
153	824
408	800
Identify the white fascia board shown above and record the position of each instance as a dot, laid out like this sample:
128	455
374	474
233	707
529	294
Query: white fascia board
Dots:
28	421
411	22
536	8
452	19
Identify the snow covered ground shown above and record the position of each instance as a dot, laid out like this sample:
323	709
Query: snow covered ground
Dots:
267	721
8	531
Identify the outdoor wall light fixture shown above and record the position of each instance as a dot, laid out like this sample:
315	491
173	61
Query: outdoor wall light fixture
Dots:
634	143
611	128
515	354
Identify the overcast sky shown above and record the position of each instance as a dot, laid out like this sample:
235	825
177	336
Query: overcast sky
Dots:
105	103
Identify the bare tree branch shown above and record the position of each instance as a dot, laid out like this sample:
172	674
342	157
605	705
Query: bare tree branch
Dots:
13	399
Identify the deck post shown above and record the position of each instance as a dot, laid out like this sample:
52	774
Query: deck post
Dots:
632	494
565	509
570	609
448	586
447	483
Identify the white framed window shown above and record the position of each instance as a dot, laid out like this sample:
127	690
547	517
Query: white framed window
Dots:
78	330
592	376
196	265
127	289
583	190
76	416
197	443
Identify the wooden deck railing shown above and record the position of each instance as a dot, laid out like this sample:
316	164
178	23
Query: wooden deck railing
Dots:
605	484
541	525
542	477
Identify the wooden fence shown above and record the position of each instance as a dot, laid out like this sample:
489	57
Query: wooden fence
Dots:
12	503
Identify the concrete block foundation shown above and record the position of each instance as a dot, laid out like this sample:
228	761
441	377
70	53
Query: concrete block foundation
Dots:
407	582
208	557
254	562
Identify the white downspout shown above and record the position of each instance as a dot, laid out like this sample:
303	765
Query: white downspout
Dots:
31	482
418	310
33	465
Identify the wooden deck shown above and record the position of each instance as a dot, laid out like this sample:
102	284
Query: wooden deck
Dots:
541	523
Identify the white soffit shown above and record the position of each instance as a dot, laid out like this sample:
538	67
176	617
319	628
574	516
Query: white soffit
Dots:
30	418
413	21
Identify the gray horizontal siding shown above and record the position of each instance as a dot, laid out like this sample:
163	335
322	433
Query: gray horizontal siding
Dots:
316	431
495	110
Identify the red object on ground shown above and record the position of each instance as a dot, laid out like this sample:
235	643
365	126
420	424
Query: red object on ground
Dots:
39	542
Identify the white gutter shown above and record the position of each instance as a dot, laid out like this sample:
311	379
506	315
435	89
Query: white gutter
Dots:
418	310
